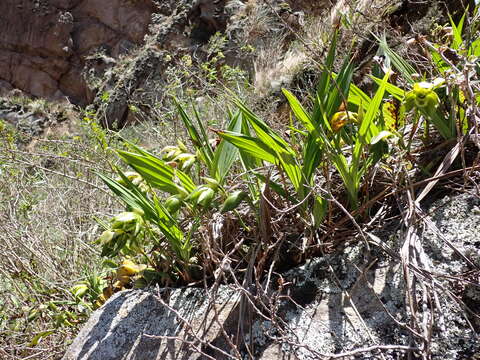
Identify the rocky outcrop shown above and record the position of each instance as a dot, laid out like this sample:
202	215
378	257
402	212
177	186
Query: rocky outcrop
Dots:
353	303
44	43
51	48
32	119
177	29
47	47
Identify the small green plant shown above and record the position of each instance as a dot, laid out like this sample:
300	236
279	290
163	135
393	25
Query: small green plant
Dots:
441	100
97	288
325	140
162	187
180	185
339	132
89	291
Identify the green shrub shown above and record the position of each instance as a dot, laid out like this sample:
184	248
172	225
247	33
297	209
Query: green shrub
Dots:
340	132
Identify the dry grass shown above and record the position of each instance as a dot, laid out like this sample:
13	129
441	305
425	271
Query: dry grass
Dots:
49	198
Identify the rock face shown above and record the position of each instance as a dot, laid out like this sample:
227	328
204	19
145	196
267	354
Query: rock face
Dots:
353	303
30	123
44	43
177	29
47	47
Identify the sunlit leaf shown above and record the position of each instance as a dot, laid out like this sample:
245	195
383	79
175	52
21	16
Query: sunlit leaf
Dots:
226	153
252	146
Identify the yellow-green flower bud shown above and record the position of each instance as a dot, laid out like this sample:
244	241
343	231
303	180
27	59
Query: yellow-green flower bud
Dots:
173	204
211	183
233	201
195	194
79	290
206	197
106	237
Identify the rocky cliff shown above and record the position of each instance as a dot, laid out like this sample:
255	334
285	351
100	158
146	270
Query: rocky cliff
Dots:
44	43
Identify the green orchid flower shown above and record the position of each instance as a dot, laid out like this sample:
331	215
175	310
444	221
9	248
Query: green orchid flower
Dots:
422	97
